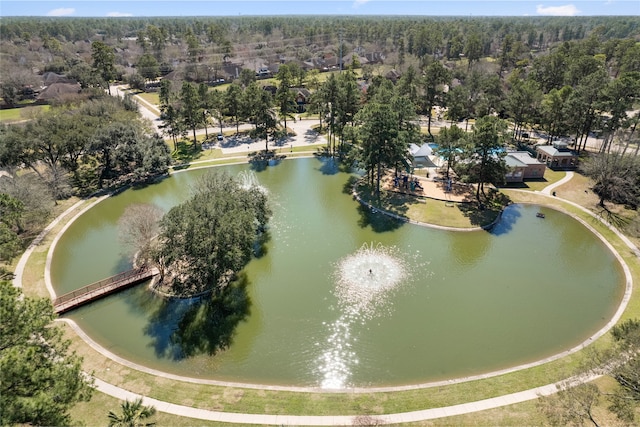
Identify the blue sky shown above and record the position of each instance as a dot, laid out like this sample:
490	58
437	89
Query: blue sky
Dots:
97	8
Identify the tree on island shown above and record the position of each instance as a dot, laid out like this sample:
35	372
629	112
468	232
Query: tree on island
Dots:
205	241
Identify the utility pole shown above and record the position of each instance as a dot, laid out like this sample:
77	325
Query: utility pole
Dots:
340	41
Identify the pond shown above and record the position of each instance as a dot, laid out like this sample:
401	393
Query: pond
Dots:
460	303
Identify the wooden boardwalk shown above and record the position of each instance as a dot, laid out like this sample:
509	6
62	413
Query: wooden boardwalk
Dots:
97	290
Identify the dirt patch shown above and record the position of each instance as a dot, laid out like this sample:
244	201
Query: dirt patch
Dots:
439	189
232	395
215	403
140	386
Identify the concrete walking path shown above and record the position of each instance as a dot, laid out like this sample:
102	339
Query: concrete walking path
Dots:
334	420
549	188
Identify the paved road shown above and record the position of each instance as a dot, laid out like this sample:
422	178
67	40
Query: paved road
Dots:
146	109
304	135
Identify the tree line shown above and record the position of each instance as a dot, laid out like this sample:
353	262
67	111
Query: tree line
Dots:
577	90
154	46
69	150
421	32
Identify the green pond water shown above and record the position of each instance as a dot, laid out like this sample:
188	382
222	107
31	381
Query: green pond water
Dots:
465	303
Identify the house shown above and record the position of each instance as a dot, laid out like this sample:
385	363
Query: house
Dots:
557	156
58	91
421	156
231	71
302	98
271	89
393	75
312	64
174	76
375	57
523	166
49	78
347	60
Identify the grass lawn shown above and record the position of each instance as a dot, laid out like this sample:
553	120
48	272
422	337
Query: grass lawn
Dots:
95	413
150	97
434	130
13	115
550	177
431	211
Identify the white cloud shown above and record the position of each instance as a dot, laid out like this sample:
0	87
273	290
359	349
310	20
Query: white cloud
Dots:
566	10
63	11
358	3
118	14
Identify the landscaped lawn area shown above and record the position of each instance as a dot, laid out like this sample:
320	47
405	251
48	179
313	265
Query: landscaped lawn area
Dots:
13	115
150	97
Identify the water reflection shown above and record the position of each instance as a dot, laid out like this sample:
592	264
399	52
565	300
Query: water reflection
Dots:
507	221
206	325
364	282
469	248
329	165
379	223
210	327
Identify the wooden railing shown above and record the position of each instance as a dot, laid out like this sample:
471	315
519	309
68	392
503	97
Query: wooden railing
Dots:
107	286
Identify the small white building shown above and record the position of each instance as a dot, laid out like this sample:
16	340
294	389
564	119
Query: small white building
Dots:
558	155
421	156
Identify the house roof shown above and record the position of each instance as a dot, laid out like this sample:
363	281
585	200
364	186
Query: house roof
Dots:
56	90
232	70
50	78
392	74
348	59
420	151
554	152
523	157
375	57
514	162
302	91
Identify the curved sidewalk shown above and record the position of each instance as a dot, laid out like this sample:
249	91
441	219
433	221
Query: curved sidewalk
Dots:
334	420
549	188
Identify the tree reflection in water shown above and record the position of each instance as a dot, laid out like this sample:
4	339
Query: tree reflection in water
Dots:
182	329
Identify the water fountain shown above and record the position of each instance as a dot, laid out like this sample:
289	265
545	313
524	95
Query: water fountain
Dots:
366	276
364	281
248	180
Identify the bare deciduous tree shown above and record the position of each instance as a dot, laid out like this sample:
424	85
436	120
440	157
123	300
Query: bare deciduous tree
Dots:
137	228
572	405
